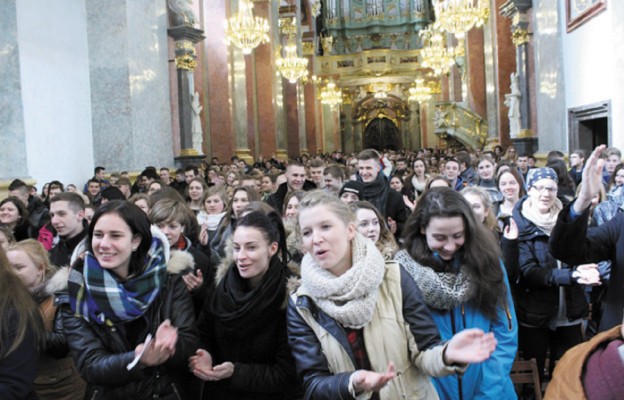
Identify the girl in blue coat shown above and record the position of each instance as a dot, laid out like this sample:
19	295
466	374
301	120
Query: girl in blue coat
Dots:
456	264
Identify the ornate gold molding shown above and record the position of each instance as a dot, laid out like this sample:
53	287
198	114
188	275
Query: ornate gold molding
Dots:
525	133
186	61
519	37
435	86
189	152
185	45
307	48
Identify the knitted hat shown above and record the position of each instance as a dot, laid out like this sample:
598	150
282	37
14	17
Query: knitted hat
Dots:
352	187
536	174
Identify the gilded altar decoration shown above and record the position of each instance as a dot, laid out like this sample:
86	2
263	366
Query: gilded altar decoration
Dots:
246	31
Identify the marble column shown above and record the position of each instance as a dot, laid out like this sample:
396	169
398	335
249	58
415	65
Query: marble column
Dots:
185	38
516	10
129	83
12	132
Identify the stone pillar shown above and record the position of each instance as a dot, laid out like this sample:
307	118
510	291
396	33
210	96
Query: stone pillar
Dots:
12	132
516	10
185	38
129	84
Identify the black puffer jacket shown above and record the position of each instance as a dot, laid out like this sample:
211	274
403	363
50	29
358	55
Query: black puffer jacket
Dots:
537	291
102	353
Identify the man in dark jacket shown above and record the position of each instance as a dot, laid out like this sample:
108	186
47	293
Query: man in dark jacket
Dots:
295	180
377	191
571	241
67	217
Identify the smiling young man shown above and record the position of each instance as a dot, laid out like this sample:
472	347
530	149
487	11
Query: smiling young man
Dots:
295	180
377	191
67	218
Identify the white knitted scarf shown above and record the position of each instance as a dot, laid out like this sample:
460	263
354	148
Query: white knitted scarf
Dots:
546	222
351	297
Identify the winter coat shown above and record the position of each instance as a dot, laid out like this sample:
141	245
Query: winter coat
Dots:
57	378
401	330
60	254
566	382
489	379
276	200
537	291
571	241
102	352
263	365
18	368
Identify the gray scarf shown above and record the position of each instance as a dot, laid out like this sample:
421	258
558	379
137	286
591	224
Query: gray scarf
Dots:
440	290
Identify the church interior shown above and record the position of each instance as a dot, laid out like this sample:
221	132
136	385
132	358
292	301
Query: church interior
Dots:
172	82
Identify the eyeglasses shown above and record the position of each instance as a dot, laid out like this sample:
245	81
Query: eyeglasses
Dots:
551	190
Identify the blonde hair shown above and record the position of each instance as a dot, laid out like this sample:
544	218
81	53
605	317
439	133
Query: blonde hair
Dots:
331	201
36	253
490	218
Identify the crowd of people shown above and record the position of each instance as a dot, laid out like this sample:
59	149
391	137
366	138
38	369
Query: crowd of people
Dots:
383	275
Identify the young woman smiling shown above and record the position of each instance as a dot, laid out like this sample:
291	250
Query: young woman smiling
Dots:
456	264
124	290
382	341
244	351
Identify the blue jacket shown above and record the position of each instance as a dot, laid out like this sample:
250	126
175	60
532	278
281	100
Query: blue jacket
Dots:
489	379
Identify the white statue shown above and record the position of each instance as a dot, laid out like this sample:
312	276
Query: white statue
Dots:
512	100
196	127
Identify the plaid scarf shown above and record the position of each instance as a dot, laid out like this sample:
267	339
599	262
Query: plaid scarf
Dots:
98	296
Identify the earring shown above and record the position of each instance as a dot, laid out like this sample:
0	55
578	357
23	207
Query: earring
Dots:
134	249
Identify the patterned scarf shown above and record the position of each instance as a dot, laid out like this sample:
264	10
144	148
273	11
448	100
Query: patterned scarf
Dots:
98	296
440	290
351	297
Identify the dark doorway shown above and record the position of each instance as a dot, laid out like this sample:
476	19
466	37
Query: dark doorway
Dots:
589	126
381	134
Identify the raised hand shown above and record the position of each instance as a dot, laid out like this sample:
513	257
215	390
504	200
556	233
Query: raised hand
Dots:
592	180
372	381
392	225
193	281
203	235
511	231
587	274
470	346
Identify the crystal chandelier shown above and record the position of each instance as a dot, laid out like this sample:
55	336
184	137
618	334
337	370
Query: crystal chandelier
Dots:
420	92
246	31
460	16
291	66
435	54
331	95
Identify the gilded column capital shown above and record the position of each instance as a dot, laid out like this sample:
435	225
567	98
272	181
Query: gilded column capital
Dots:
186	61
519	37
